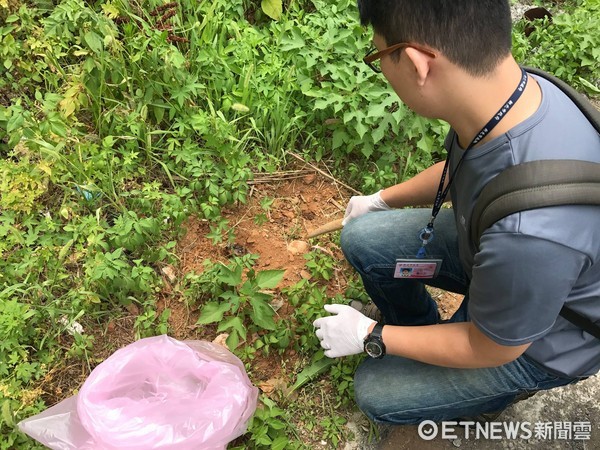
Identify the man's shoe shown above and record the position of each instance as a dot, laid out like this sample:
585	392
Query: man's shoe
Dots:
370	310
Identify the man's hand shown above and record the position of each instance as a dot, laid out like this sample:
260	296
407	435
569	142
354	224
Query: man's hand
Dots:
343	333
362	204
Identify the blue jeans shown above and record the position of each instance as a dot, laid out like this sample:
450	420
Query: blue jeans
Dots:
402	391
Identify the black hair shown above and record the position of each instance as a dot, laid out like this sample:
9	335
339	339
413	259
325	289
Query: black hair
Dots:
473	34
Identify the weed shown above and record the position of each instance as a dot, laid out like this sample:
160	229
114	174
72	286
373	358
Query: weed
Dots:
320	264
243	305
568	46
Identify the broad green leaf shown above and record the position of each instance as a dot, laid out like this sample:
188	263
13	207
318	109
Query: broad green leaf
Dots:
262	314
367	149
63	251
7	415
67	106
361	129
233	323
348	116
315	369
272	8
159	112
322	103
212	312
292	40
16	121
379	132
425	143
231	277
279	443
269	279
93	41
339	137
233	341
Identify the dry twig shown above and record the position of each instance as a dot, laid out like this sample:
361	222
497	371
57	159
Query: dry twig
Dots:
325	174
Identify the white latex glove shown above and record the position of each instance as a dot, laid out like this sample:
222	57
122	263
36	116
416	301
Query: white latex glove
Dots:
362	204
343	333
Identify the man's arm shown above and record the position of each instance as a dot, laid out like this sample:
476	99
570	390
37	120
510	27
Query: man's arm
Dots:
457	345
418	191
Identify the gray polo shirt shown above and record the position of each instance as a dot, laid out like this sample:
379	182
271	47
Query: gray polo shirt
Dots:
531	263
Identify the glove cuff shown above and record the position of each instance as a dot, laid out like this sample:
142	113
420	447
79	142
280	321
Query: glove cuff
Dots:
362	328
377	202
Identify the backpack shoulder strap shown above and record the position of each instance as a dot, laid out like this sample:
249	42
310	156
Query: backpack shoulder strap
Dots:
580	321
540	183
537	184
584	105
532	185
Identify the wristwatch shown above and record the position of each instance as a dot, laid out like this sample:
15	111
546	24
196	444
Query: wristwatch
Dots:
374	346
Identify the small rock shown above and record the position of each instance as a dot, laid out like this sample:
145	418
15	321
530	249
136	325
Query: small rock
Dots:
277	303
169	272
305	274
456	442
133	309
298	247
71	327
310	178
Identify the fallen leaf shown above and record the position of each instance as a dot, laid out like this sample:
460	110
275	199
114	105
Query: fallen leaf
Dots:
273	385
221	340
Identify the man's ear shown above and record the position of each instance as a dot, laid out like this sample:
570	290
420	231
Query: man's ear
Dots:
421	62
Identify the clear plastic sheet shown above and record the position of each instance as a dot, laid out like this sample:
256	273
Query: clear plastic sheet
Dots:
157	393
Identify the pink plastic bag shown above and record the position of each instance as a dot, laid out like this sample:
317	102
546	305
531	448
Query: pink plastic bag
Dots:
157	393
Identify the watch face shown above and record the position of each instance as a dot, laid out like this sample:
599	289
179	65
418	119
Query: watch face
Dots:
373	349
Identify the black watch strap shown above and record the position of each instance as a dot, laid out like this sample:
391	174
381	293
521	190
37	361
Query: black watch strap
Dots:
377	331
374	346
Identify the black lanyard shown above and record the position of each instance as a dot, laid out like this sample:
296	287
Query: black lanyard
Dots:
426	234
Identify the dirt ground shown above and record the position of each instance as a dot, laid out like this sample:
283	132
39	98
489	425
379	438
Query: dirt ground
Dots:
281	209
302	200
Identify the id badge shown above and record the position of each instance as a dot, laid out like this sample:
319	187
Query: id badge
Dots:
417	268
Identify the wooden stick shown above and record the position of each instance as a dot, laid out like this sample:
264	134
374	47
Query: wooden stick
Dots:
334	225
